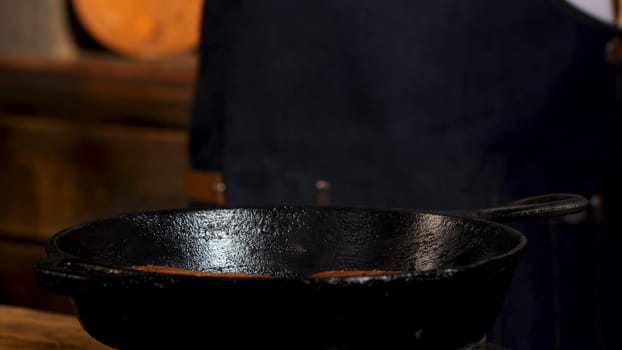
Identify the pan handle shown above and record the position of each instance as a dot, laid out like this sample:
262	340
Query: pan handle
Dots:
68	275
542	206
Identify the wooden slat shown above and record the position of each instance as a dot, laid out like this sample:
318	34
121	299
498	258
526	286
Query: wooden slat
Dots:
29	329
179	70
59	173
100	88
17	278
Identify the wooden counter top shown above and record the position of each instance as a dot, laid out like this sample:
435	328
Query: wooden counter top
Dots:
29	329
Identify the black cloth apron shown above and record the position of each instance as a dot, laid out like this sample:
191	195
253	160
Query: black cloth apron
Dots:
421	104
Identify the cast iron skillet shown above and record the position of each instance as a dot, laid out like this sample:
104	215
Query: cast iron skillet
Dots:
454	273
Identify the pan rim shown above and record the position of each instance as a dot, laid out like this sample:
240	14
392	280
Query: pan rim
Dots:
53	249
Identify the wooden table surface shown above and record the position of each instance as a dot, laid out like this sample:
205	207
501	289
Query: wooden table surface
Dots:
29	329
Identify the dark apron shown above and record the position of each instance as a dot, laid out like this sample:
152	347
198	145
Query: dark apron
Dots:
422	104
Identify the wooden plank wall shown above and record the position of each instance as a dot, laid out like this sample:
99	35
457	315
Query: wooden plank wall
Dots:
81	140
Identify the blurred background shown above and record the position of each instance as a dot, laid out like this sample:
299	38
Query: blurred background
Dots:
94	106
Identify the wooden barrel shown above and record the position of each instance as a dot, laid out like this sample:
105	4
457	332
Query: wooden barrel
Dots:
142	28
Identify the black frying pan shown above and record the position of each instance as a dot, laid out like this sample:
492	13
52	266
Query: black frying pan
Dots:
454	273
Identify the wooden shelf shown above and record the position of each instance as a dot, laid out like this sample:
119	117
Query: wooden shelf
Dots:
91	137
80	140
101	88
